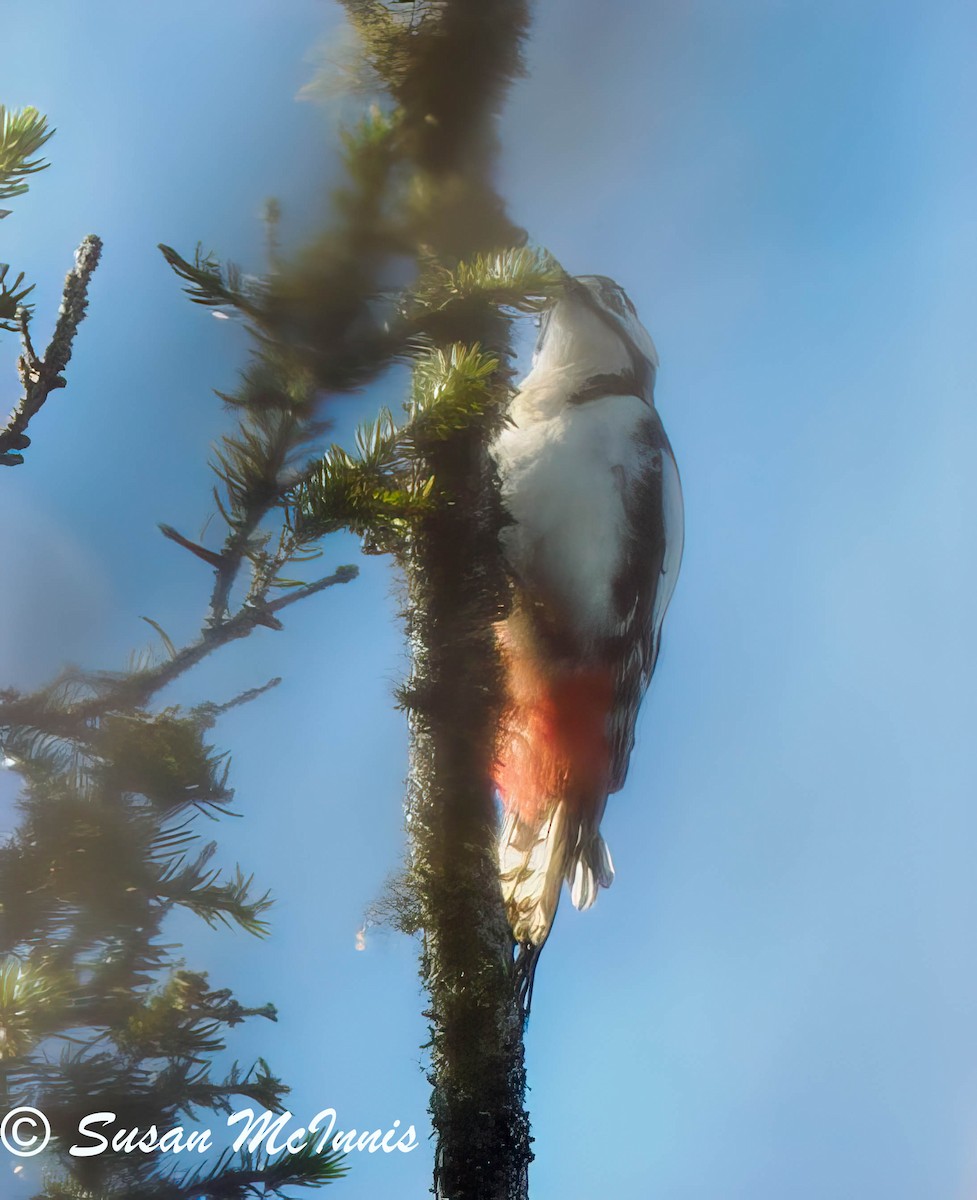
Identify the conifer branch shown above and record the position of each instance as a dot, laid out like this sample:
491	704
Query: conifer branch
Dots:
418	185
105	847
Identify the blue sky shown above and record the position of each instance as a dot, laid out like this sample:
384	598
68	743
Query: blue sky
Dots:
778	996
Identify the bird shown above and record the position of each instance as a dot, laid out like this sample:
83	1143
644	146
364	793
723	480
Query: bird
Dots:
592	543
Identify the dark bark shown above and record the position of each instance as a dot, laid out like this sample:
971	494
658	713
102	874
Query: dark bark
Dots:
477	1062
455	75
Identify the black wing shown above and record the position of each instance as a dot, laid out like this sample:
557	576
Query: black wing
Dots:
644	583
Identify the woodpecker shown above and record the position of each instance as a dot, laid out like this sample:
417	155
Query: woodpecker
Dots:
593	549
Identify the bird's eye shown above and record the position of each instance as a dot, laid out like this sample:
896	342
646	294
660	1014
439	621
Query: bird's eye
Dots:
612	298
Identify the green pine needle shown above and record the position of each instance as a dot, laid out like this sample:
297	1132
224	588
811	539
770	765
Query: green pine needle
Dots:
215	284
451	389
524	279
22	134
11	298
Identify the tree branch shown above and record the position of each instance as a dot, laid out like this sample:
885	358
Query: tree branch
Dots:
40	377
137	689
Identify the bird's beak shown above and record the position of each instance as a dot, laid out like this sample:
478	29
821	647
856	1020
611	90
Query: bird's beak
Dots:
544	321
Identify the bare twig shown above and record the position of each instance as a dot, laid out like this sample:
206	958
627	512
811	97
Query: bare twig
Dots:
40	377
116	693
212	711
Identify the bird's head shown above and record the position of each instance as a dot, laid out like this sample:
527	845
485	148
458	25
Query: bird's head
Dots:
594	324
615	306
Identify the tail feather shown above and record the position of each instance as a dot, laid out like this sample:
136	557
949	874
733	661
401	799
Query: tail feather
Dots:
532	864
534	859
590	868
553	775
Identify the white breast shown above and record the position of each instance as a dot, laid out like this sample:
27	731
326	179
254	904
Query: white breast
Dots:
565	470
